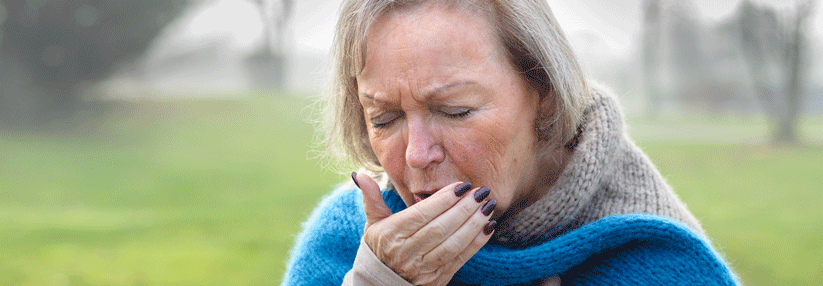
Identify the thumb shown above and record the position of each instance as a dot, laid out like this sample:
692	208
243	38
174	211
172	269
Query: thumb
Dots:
373	204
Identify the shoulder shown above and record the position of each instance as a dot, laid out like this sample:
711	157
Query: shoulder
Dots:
325	249
344	198
632	182
630	249
642	249
634	178
340	213
604	99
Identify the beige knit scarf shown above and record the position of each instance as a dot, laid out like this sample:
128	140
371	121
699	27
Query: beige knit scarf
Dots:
607	174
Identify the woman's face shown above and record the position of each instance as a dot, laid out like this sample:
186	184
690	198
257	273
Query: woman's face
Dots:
443	104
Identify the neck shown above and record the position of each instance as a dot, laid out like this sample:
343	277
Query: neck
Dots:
547	169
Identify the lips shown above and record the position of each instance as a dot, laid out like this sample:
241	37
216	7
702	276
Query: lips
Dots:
420	196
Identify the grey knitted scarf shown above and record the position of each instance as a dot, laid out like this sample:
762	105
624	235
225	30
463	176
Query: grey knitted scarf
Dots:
607	174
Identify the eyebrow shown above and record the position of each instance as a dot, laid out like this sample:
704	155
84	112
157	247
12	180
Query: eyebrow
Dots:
431	93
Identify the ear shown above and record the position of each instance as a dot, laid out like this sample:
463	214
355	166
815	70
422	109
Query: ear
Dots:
546	107
546	103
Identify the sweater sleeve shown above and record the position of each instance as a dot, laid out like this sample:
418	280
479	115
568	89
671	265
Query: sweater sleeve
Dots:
326	248
369	270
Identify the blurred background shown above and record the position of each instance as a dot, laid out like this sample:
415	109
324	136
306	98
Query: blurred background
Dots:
172	142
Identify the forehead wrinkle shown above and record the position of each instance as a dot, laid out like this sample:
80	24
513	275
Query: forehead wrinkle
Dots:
374	100
406	62
366	95
428	95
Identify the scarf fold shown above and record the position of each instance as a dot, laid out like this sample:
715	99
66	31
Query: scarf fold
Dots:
606	175
560	208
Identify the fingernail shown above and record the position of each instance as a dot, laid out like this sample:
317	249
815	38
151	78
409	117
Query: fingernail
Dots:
489	227
481	194
462	189
354	178
488	207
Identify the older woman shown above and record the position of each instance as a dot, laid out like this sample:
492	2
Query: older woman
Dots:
499	163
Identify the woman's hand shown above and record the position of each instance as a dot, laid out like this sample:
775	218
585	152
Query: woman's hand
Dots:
429	241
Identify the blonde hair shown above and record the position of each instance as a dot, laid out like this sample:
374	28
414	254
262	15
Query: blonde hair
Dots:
527	31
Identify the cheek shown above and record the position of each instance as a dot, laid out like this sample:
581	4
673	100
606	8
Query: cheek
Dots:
496	155
387	148
391	152
476	152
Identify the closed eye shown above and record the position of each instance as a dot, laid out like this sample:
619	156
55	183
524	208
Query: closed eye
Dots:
385	119
456	112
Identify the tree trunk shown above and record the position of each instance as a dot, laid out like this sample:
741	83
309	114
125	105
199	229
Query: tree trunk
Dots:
786	131
651	57
267	65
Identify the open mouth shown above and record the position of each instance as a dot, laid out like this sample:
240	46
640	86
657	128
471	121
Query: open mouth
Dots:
421	196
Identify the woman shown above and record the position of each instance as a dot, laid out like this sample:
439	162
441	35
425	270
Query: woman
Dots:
499	164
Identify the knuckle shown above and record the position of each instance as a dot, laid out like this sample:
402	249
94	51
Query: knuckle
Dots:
382	241
409	271
388	250
444	254
451	249
479	241
444	203
420	265
436	230
468	209
388	245
416	214
469	251
462	256
388	227
442	276
478	221
426	280
436	259
373	240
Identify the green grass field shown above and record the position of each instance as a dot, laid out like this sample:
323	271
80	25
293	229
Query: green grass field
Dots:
213	193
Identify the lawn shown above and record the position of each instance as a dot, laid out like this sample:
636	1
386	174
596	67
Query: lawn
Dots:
213	193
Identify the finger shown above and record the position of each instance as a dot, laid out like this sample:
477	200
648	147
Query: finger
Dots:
423	212
444	274
479	241
449	248
444	226
373	204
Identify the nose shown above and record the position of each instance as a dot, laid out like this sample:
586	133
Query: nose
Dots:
423	148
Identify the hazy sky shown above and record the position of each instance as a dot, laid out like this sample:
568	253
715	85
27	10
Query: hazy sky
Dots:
617	22
602	32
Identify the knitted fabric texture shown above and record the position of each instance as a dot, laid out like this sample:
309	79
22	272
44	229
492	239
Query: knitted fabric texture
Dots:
630	249
606	175
572	230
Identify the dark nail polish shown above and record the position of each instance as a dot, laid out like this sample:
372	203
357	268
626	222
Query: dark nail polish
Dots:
354	178
481	194
461	189
489	227
488	207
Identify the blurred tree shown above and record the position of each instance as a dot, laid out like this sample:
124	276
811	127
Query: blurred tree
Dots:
774	51
688	58
51	48
652	31
267	65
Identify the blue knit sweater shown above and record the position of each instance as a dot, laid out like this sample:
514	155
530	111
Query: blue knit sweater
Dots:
631	249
